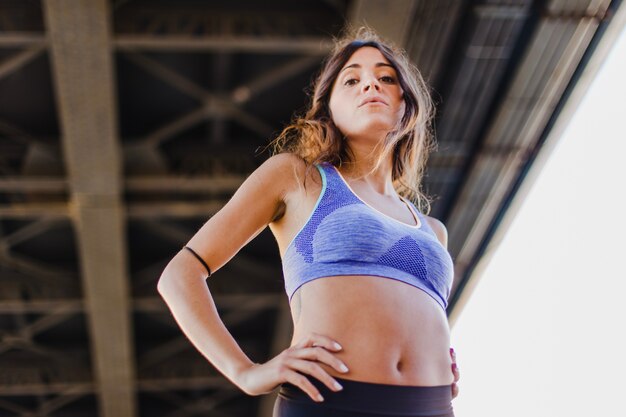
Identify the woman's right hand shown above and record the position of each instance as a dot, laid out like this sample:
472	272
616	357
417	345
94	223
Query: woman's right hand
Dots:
285	367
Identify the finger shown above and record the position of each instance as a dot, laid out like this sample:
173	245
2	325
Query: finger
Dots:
305	385
313	369
316	339
322	355
455	390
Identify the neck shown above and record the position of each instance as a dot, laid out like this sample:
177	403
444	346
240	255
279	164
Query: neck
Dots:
379	180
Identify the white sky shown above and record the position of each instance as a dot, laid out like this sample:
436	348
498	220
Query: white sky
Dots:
544	333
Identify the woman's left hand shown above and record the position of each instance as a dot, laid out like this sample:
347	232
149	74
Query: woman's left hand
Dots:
455	372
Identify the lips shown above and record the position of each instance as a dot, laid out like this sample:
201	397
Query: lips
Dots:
373	99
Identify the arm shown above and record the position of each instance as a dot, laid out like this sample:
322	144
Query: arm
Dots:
259	201
182	283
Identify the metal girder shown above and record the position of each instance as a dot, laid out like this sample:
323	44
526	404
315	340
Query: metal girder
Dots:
188	383
134	210
478	76
182	43
18	135
204	405
391	19
23	39
554	40
50	210
186	408
147	159
501	11
554	53
186	18
241	265
430	39
20	59
175	209
143	385
79	33
29	231
48	320
67	393
28	266
448	157
231	319
275	76
223	67
41	306
143	184
215	105
243	302
311	45
44	389
212	106
241	307
37	184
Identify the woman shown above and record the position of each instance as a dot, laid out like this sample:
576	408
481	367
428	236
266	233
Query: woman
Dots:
376	323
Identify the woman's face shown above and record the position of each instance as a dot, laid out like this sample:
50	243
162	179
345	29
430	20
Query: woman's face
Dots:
366	98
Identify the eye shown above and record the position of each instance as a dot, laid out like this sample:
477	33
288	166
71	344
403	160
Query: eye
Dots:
388	79
350	81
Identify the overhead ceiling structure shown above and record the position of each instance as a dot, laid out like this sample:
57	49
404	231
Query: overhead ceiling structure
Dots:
124	125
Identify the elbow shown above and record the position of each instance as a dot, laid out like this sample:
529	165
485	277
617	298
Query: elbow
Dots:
164	283
176	276
161	284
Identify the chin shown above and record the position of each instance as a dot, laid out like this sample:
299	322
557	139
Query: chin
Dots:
378	126
373	132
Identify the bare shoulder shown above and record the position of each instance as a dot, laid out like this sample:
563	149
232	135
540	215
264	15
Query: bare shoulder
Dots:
290	172
293	168
258	202
439	228
283	169
284	163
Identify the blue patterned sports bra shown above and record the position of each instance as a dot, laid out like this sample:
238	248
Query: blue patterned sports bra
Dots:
346	236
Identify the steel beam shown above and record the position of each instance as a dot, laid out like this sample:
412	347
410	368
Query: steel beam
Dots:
82	63
391	19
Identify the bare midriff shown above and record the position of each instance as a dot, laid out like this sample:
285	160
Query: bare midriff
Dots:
391	332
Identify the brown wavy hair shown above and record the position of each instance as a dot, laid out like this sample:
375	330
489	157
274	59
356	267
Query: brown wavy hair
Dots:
315	138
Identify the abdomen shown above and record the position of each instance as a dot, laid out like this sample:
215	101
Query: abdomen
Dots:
391	332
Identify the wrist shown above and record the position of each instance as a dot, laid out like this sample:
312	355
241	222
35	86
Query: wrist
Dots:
240	376
238	372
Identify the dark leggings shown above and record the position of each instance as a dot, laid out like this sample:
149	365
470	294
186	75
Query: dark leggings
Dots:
366	399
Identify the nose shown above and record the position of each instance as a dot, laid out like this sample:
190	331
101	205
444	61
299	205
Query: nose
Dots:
371	82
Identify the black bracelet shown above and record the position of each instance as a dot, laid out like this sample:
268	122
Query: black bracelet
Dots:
200	259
